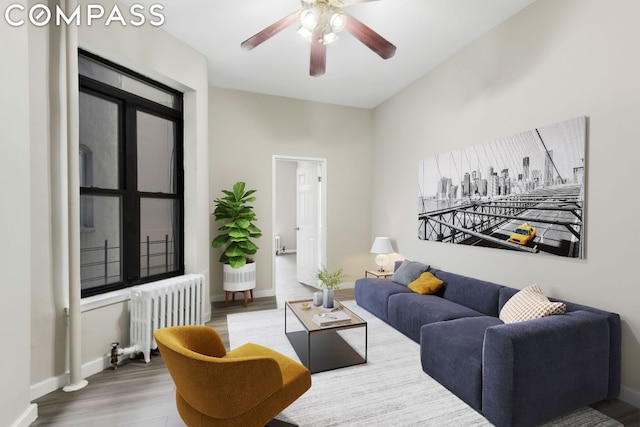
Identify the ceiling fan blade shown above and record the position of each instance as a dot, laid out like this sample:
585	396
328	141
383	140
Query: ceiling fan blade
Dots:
318	63
370	38
270	31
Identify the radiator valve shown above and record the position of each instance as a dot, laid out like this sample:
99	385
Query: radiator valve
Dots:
114	355
116	351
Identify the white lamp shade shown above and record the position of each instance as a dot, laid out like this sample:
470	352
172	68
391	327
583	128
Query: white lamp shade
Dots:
381	245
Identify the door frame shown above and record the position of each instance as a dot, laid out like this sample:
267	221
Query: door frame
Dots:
323	208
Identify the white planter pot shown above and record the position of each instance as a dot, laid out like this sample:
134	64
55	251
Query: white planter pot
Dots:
239	279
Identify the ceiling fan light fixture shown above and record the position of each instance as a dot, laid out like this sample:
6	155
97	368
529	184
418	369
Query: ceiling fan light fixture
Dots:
308	20
329	38
305	34
321	17
337	21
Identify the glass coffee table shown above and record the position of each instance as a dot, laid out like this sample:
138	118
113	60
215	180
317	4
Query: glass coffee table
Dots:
340	341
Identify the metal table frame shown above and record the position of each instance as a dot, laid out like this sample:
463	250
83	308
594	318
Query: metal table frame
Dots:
321	348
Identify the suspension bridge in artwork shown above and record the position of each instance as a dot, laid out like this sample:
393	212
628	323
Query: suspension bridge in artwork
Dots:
556	212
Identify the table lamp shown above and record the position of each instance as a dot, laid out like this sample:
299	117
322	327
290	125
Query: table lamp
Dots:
382	247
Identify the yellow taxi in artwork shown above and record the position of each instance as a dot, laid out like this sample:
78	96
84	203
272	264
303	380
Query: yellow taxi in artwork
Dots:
523	234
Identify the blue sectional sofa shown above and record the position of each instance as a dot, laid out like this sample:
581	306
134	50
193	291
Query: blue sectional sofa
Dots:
515	374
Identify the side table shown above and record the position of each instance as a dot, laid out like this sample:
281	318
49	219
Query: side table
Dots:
378	274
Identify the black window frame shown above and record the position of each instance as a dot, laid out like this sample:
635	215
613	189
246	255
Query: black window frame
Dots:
130	196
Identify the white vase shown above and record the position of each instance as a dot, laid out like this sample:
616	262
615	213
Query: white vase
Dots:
327	298
239	279
317	298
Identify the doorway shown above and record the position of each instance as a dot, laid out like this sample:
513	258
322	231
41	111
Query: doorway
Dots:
299	224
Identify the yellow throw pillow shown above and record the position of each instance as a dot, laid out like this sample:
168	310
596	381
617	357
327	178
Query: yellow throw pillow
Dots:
426	284
529	303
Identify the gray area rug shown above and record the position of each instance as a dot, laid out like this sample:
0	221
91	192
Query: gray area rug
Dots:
389	390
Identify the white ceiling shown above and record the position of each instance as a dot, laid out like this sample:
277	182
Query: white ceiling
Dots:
426	32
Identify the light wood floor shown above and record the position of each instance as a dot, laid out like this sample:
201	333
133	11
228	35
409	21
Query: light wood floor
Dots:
142	395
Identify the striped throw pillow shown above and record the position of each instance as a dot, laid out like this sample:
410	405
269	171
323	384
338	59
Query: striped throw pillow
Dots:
530	303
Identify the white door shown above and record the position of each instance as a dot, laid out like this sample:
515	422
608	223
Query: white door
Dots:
308	205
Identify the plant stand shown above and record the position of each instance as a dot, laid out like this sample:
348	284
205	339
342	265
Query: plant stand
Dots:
233	297
239	280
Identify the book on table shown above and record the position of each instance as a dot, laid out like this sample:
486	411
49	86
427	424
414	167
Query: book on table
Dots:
331	319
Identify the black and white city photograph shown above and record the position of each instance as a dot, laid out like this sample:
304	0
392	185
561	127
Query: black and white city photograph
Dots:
523	192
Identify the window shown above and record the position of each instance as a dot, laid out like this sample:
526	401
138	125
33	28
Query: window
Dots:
131	178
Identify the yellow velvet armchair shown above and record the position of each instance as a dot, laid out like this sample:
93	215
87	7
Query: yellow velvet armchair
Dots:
246	387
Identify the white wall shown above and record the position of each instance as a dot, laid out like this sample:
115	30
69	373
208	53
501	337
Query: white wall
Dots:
246	130
15	217
151	52
552	62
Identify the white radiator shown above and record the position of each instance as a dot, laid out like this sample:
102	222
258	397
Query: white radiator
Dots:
171	302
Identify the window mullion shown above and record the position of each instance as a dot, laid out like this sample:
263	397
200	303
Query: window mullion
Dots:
132	202
179	170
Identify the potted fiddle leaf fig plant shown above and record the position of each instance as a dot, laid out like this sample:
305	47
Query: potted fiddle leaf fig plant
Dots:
236	235
330	281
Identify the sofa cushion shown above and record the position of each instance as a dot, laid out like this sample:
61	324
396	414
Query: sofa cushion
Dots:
451	353
529	303
408	272
476	294
407	312
426	284
373	294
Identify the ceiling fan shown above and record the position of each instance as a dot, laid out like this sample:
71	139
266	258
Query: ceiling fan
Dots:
320	22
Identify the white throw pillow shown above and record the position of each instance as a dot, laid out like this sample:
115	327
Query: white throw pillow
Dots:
530	303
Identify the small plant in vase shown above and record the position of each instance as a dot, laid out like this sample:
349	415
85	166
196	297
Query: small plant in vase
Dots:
330	281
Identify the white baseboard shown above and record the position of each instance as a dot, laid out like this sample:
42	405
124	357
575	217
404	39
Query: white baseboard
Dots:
263	294
630	396
27	417
49	385
271	292
52	384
